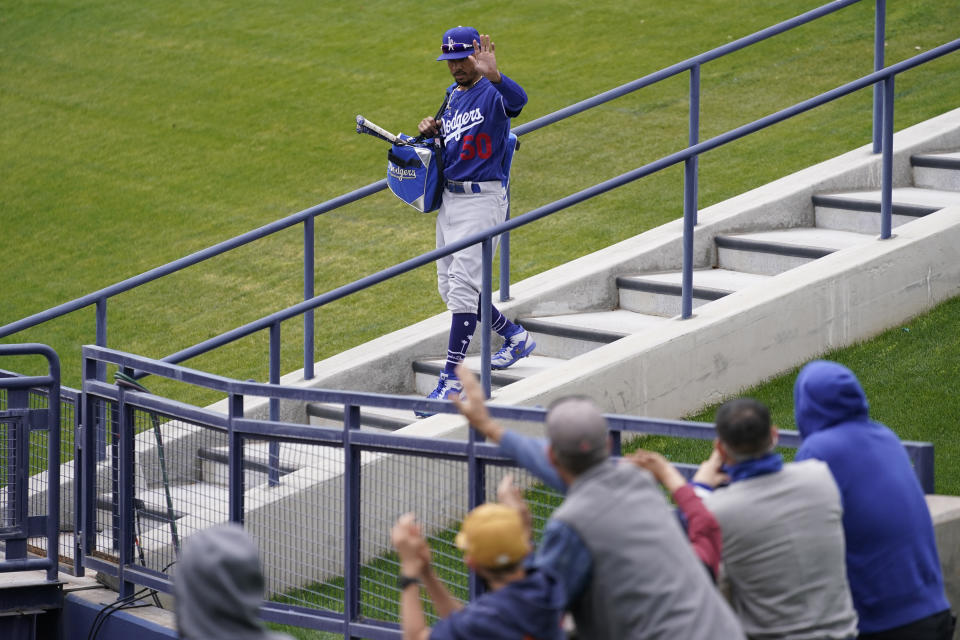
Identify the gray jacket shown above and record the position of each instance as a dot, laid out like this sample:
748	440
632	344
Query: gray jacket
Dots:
783	553
645	581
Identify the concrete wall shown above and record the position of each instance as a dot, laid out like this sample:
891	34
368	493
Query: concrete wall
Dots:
945	511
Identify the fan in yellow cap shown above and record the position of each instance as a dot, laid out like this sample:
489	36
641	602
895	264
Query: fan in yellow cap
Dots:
493	536
520	602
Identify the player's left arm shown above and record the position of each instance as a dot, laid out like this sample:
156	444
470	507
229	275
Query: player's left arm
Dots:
484	56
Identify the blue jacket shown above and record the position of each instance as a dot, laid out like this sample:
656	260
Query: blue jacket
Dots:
892	562
528	609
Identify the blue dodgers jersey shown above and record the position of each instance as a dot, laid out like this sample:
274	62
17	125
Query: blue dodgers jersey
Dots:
475	130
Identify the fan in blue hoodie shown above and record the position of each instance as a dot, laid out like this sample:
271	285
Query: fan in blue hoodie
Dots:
892	561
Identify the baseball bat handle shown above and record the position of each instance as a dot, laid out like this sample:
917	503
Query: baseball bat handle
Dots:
365	126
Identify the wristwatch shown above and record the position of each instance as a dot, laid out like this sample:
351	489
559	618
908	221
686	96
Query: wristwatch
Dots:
405	581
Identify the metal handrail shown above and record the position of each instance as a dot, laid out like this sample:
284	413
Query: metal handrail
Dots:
100	297
229	386
476	456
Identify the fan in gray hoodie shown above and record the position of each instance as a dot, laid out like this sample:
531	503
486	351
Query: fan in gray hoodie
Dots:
219	587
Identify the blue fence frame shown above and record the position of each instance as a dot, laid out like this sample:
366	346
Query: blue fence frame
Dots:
476	454
18	526
882	80
69	424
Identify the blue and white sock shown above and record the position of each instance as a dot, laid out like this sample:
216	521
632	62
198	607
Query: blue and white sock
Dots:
461	332
500	324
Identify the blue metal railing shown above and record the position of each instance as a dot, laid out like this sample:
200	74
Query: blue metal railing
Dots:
476	455
690	159
19	420
69	425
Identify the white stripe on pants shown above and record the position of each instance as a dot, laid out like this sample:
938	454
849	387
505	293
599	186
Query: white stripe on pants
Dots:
461	215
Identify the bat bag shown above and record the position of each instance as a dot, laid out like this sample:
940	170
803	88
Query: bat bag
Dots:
415	175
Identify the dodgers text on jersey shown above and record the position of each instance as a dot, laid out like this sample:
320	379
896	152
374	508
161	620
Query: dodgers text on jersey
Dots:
454	126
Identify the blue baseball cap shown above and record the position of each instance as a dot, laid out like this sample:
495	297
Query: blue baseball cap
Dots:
458	43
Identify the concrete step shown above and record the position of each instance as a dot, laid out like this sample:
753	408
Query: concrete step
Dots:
659	293
153	506
568	336
859	211
427	371
937	170
371	418
188	499
773	252
214	464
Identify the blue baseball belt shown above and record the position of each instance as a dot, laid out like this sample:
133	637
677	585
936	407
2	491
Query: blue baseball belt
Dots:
488	186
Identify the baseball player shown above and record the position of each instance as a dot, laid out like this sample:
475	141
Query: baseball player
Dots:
474	128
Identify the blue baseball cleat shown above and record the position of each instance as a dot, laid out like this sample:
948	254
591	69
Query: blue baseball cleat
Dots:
517	346
446	385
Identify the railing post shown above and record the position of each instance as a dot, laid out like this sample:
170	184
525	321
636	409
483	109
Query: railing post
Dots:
616	443
689	215
476	495
125	493
486	303
505	256
879	36
101	336
351	519
90	454
17	473
886	184
79	446
308	292
235	461
273	468
116	426
690	197
53	470
694	137
921	454
100	430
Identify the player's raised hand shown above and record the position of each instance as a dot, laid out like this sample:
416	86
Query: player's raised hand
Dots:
473	405
485	58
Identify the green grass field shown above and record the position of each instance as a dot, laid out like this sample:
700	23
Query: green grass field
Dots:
136	134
